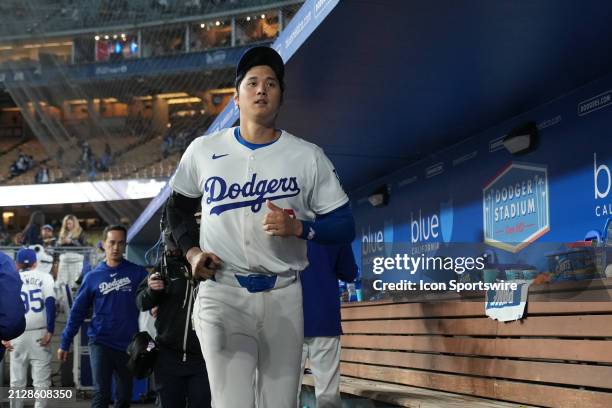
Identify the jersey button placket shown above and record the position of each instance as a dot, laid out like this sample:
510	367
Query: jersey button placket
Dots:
245	234
249	211
251	164
248	215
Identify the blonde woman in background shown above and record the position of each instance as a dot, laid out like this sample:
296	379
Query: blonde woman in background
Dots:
71	233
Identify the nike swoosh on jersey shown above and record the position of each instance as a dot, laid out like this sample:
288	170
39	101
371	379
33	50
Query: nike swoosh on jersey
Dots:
218	156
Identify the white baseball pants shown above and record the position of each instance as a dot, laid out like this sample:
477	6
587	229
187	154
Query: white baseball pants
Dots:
28	351
323	354
252	343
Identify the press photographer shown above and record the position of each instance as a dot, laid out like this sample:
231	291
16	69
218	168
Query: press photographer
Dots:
180	372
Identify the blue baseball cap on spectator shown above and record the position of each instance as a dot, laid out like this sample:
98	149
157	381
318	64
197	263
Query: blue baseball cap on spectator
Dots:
26	256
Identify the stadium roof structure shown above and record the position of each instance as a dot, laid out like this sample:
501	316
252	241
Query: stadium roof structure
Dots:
383	84
23	19
130	78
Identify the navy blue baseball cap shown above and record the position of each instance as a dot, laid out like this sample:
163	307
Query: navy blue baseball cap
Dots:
26	256
261	56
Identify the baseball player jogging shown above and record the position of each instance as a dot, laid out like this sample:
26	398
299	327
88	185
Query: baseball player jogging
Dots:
32	347
263	193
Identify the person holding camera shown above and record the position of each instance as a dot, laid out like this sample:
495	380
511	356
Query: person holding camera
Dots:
180	372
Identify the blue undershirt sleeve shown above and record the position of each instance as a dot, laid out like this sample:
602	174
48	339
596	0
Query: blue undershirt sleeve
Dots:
335	227
50	310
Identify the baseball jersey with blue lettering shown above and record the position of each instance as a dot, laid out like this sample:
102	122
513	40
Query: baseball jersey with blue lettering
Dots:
37	287
112	292
235	181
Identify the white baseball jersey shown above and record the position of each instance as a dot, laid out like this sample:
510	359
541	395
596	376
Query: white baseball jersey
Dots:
235	181
36	289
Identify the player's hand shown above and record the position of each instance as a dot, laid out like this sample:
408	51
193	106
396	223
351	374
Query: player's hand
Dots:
62	355
154	312
279	223
46	339
7	345
155	281
203	264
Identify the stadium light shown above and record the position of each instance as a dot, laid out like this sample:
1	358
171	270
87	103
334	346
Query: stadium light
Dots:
521	139
97	37
6	217
193	99
380	197
217	91
173	95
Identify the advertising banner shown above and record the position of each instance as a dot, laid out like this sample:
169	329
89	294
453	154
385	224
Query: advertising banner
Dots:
477	193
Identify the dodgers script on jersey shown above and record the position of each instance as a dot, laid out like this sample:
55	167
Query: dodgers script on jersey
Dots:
37	288
235	181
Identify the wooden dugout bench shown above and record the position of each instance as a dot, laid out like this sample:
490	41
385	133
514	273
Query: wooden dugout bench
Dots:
447	353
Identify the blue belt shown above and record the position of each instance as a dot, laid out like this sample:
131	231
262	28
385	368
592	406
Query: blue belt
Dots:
256	282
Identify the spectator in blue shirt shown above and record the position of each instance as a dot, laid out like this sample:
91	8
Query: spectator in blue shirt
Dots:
322	329
111	289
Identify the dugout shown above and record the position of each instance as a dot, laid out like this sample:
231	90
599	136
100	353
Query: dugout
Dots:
416	98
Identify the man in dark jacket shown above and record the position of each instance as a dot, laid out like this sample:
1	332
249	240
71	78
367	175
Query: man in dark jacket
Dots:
180	372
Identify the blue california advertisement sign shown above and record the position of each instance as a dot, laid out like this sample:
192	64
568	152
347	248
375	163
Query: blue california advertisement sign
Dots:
515	206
